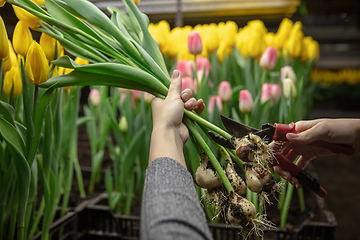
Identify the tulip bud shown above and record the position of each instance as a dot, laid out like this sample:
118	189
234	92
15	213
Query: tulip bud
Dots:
11	61
136	1
188	82
2	2
287	72
13	80
48	45
265	92
225	91
39	2
203	63
81	61
181	66
275	91
123	125
194	43
23	15
289	88
36	67
94	97
211	40
4	43
215	100
245	101
268	59
136	94
22	38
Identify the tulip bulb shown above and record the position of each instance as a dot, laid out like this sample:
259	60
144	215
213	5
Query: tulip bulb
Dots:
206	176
257	177
236	181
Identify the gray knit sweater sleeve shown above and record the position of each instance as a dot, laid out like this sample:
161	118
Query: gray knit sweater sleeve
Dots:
170	205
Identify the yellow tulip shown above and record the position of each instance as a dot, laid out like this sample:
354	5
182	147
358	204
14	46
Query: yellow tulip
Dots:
22	38
258	26
313	50
255	45
136	1
39	2
13	78
223	51
4	43
283	32
36	67
2	2
31	20
160	33
6	65
48	45
211	40
293	46
81	61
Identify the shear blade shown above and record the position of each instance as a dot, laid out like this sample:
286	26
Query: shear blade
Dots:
222	141
237	129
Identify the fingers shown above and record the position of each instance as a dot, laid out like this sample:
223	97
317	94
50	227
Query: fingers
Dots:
191	103
175	86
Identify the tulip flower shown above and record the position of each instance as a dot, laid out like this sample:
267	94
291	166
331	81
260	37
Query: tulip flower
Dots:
265	93
39	2
188	82
48	44
275	91
225	91
246	102
23	15
194	43
4	43
136	1
289	88
13	80
215	100
135	94
203	63
36	66
287	72
22	38
94	97
181	66
81	61
2	2
268	59
123	125
283	33
211	40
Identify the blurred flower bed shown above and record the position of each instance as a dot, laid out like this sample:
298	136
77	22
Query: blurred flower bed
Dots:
249	74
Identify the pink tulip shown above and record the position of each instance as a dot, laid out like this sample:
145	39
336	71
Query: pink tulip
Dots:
268	59
194	43
200	75
203	63
188	82
225	91
245	101
94	97
265	93
189	67
287	72
181	66
275	91
136	94
212	101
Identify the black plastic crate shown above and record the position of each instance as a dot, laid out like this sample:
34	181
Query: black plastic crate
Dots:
92	221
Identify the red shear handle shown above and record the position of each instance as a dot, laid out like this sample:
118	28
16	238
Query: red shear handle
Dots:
301	175
283	129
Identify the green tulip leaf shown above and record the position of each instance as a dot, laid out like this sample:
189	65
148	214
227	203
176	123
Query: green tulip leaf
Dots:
11	135
7	112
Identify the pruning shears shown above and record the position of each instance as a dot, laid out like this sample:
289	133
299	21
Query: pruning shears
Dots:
277	132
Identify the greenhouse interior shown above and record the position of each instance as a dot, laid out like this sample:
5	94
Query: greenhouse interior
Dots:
179	119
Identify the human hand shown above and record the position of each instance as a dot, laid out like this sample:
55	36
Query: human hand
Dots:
169	132
344	131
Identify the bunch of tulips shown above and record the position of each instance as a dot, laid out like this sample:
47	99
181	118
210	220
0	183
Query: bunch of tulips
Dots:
250	75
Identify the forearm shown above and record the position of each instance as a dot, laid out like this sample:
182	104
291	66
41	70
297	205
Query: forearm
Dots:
170	205
166	142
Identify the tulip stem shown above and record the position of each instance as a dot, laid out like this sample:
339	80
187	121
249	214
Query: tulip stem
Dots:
263	76
1	79
36	93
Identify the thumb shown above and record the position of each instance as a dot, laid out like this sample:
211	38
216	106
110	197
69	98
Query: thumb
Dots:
308	136
175	86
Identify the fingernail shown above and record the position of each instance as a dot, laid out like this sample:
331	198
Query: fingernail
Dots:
184	95
190	104
175	74
293	135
